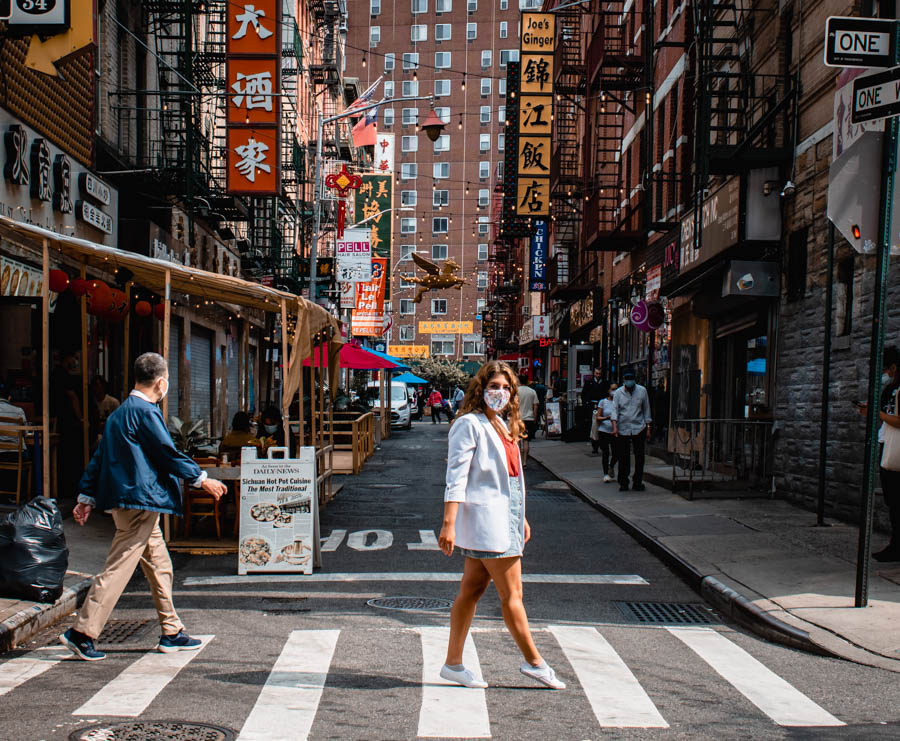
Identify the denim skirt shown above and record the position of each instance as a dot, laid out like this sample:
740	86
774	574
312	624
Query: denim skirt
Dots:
516	525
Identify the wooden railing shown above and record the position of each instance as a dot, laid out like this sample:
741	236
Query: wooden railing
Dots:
353	433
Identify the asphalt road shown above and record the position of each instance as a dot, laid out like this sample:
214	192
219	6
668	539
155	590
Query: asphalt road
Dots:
291	658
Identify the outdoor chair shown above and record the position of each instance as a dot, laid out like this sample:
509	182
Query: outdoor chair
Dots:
19	462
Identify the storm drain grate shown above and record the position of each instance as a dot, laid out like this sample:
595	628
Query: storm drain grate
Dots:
155	730
120	631
412	604
667	613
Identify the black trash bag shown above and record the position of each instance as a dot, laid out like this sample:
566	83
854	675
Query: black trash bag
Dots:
33	552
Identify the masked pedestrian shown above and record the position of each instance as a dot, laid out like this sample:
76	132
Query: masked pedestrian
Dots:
631	427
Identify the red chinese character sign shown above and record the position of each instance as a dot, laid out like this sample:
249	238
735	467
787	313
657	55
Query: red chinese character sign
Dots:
342	182
253	87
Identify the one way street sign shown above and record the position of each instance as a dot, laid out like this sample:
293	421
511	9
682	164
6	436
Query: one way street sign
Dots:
859	42
876	96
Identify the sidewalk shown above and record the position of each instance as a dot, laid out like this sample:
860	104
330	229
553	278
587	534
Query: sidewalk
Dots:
21	619
760	561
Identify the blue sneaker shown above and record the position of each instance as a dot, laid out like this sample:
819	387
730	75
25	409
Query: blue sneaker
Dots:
81	645
181	641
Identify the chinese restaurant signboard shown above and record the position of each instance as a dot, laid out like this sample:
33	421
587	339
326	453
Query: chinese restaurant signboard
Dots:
373	201
535	113
368	314
537	263
253	72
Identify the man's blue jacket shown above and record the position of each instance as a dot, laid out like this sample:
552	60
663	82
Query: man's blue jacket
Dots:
136	465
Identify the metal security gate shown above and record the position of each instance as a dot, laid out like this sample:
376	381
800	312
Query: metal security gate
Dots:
201	374
174	369
232	363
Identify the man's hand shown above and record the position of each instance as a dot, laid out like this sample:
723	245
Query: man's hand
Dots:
213	487
648	432
862	408
81	513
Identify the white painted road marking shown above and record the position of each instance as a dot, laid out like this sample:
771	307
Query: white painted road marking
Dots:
383	539
130	693
439	576
450	710
615	695
429	542
286	707
28	666
333	542
783	703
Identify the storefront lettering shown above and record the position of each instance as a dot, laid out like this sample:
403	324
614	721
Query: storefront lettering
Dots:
16	169
62	181
40	168
92	215
96	189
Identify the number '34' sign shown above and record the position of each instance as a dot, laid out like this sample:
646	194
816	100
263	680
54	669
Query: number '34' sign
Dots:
29	16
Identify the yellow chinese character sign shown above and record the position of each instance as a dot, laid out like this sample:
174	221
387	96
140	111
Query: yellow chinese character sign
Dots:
447	327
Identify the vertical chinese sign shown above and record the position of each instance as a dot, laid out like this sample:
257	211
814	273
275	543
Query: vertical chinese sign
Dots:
253	82
535	113
368	314
373	202
537	257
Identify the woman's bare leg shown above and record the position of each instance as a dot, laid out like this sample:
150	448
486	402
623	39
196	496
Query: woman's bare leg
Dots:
507	576
475	581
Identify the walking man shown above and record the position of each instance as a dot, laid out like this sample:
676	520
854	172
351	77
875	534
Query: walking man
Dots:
631	426
136	473
528	411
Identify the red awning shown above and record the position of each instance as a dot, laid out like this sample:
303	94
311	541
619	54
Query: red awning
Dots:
356	358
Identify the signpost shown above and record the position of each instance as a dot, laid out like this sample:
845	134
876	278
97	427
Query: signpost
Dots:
876	96
859	42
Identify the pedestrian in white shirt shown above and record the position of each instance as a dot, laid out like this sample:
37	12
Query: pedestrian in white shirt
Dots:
602	433
528	411
631	427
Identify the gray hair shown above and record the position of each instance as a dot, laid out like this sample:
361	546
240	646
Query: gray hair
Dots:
148	367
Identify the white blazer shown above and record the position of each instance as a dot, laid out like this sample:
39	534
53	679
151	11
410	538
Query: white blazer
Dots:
478	478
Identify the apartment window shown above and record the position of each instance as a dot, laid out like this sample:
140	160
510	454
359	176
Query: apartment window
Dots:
443	113
405	282
482	279
501	87
504	4
407	306
440	198
483	225
411	60
408	197
484	170
482	255
441	170
410	88
797	264
374	7
389	61
843	297
374	35
508	55
485	114
406	251
446	346
409	143
442	32
485	86
388	117
438	252
484	142
438	306
471	31
501	142
529	4
442	143
408	226
500	170
473	347
419	6
410	116
472	5
503	29
389	89
442	59
443	6
409	171
480	306
440	225
486	58
484	196
407	333
441	88
418	32
501	113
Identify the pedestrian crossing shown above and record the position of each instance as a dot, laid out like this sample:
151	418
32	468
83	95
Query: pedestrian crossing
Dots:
289	703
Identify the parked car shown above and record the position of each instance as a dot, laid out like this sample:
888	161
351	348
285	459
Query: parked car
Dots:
401	403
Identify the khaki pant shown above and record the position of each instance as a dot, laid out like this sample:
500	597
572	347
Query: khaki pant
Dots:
138	539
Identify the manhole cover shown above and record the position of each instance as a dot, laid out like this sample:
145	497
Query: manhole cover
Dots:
669	613
120	631
152	730
410	603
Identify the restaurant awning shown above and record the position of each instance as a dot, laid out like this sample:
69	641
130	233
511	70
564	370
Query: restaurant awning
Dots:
355	357
409	378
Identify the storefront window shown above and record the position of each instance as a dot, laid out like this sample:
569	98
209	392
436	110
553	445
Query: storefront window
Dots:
757	400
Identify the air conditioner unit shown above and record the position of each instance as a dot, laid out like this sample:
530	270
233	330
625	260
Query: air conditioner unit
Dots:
526	311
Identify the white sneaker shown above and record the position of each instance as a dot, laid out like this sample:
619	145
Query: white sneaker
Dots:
462	676
606	479
543	674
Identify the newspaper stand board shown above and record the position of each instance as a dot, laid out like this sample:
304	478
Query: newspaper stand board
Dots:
279	526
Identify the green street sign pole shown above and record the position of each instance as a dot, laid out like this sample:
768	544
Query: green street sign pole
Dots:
879	315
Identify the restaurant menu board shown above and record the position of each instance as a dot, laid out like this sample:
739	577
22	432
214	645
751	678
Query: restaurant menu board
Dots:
554	423
279	512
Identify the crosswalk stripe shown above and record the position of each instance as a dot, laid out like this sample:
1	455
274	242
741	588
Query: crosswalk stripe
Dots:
783	703
449	710
286	707
615	695
130	693
28	666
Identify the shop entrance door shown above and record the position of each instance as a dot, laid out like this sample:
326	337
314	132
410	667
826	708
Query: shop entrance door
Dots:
740	370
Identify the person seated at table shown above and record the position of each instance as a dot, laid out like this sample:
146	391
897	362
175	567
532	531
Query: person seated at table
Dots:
10	411
238	436
271	425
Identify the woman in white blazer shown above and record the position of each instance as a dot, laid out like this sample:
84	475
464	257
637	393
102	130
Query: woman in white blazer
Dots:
484	516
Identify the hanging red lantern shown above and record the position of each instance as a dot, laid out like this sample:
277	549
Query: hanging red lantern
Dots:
99	298
143	308
79	287
59	281
118	306
159	311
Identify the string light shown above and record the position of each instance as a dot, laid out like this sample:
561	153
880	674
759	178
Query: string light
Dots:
460	122
463	86
364	60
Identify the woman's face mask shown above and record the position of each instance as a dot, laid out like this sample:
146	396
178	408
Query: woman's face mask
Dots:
270	429
496	399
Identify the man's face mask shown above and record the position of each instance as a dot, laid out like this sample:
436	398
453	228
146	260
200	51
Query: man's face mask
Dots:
629	384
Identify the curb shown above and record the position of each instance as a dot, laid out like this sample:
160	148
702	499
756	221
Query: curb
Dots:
27	622
724	598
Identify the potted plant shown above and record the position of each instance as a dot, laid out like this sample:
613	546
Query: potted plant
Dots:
189	437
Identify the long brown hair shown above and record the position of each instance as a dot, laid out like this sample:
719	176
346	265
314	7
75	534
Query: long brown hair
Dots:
474	398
